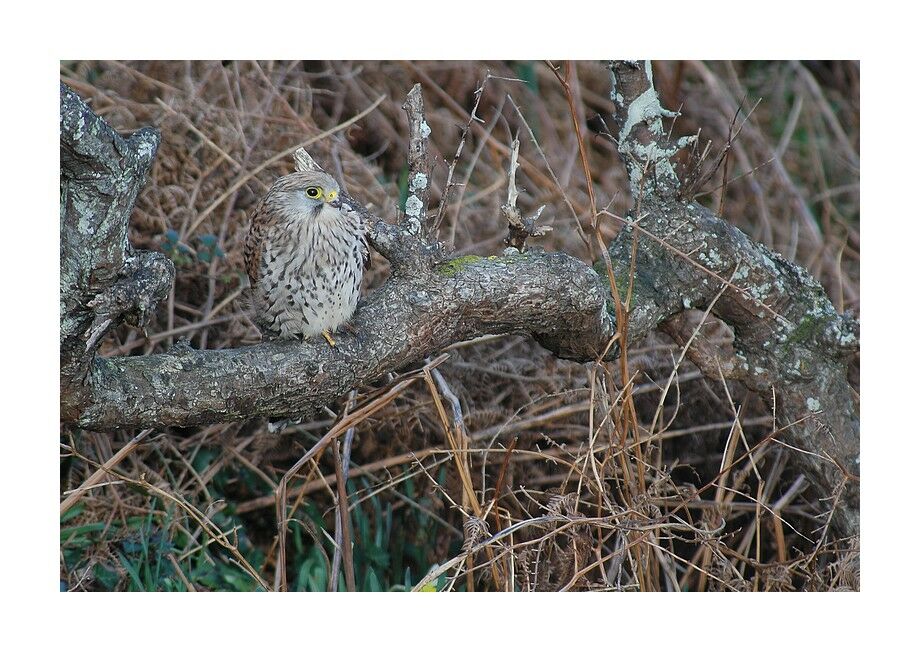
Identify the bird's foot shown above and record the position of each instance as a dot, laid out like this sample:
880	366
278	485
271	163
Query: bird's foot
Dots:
329	338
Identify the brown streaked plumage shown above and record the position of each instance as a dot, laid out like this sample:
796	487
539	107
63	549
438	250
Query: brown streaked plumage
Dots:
305	255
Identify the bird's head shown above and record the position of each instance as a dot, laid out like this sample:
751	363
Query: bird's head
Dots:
306	192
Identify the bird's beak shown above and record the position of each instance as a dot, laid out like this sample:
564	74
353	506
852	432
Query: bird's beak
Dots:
335	203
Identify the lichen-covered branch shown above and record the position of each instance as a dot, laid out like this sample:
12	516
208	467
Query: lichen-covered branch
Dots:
419	179
409	245
104	281
552	296
642	141
790	344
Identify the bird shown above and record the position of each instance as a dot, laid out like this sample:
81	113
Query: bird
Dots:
304	254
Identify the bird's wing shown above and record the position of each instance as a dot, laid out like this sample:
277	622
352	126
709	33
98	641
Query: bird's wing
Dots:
252	249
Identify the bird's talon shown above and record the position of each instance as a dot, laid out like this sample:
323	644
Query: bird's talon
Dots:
329	338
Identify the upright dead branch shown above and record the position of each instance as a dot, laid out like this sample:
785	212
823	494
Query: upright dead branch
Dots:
642	141
409	244
519	227
419	163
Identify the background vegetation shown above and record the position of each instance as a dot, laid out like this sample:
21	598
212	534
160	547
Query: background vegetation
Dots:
533	436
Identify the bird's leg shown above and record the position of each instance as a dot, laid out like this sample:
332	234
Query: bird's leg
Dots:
328	338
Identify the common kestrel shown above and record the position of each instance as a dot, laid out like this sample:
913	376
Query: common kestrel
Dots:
305	255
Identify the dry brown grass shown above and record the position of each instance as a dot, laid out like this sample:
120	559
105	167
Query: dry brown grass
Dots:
502	467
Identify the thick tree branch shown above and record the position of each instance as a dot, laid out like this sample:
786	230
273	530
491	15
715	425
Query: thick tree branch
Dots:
103	279
789	341
790	344
555	298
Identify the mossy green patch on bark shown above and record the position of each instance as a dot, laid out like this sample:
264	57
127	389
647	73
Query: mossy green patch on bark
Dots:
622	281
804	331
451	267
455	265
809	328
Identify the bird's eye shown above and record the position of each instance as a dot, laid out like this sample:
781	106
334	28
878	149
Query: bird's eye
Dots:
313	192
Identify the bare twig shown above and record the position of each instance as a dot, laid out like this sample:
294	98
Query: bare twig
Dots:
449	184
519	227
98	474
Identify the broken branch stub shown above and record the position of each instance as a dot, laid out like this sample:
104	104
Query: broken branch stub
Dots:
419	163
519	227
642	140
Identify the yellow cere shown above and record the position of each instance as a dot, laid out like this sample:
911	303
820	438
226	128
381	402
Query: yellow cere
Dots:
331	195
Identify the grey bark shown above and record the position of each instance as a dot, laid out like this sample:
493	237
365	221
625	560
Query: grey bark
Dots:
790	344
553	297
104	280
788	339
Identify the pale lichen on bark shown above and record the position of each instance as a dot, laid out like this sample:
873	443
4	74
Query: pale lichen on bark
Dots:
789	341
103	279
646	149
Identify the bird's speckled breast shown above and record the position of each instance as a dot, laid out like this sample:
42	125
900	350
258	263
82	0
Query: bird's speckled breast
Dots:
311	271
